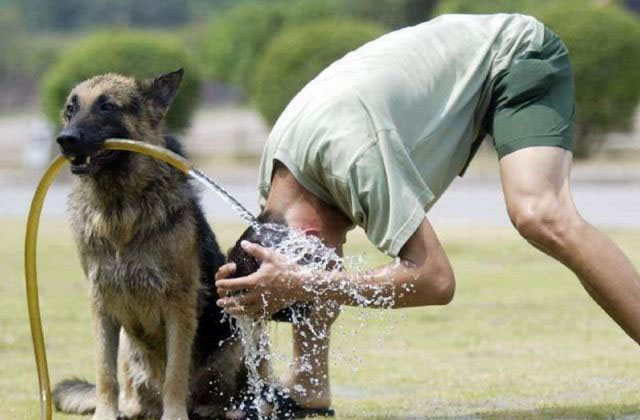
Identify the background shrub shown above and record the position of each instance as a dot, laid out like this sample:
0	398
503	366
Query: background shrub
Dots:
604	47
134	54
25	57
12	44
390	13
66	15
233	41
298	54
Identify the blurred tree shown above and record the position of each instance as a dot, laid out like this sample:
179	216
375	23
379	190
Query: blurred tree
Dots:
391	13
140	12
299	53
22	61
296	12
68	15
65	15
633	5
12	44
233	41
490	6
52	14
137	54
417	11
202	9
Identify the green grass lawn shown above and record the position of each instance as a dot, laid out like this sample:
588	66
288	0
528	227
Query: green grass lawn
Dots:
521	340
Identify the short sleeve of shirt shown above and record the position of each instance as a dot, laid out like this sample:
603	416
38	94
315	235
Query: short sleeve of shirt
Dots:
386	194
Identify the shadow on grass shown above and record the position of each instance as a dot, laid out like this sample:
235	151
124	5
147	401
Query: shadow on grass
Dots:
587	412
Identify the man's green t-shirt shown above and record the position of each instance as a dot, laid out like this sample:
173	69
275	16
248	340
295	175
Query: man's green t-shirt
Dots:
382	132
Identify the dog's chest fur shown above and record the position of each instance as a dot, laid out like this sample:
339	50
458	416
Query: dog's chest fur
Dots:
137	244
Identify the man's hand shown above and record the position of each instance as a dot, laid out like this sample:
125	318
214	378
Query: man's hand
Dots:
275	286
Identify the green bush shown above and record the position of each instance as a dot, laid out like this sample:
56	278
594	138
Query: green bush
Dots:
136	54
233	41
605	54
44	54
391	13
297	12
13	44
298	54
69	15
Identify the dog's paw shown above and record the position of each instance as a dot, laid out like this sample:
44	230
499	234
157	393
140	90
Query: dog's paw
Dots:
130	409
175	414
105	415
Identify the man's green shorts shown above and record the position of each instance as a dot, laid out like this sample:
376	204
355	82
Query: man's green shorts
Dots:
532	101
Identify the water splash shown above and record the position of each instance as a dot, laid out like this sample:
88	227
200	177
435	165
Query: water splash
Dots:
226	197
312	256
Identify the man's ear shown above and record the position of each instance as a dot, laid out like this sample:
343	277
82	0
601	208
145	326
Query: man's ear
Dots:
311	232
162	89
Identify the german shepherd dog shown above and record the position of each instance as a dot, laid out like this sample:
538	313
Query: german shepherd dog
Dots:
163	348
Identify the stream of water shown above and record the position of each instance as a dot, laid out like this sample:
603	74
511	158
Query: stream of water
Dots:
224	195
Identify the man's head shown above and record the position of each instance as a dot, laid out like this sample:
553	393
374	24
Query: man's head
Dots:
290	205
300	209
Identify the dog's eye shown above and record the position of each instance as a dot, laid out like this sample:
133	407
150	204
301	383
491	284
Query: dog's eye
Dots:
107	107
71	108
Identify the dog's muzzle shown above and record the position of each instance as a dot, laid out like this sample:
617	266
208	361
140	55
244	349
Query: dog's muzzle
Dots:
86	157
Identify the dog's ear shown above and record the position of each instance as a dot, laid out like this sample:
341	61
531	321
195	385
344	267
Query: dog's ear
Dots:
162	89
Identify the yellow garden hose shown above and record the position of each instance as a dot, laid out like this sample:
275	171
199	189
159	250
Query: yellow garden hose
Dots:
30	250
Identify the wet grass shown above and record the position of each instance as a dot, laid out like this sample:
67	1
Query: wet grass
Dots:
521	340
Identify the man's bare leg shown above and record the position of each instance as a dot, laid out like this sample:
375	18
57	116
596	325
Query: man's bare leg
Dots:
535	181
308	379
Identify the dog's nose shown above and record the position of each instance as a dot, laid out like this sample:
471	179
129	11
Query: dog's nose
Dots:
68	140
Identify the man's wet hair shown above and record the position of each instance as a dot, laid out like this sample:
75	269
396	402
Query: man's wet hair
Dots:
271	231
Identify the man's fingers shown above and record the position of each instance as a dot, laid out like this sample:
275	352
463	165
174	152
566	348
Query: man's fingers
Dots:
250	310
225	286
255	250
225	271
239	300
247	304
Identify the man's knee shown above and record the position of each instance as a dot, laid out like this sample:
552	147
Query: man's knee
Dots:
546	222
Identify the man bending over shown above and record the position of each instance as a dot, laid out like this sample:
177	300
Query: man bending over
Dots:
377	138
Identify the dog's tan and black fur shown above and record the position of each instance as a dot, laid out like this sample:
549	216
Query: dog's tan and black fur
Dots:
150	259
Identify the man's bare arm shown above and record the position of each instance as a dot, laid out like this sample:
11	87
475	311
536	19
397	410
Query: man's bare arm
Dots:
420	276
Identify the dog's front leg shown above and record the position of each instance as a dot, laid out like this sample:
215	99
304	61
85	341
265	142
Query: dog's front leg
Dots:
107	336
180	331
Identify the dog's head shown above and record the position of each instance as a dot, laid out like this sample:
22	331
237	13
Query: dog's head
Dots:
113	106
